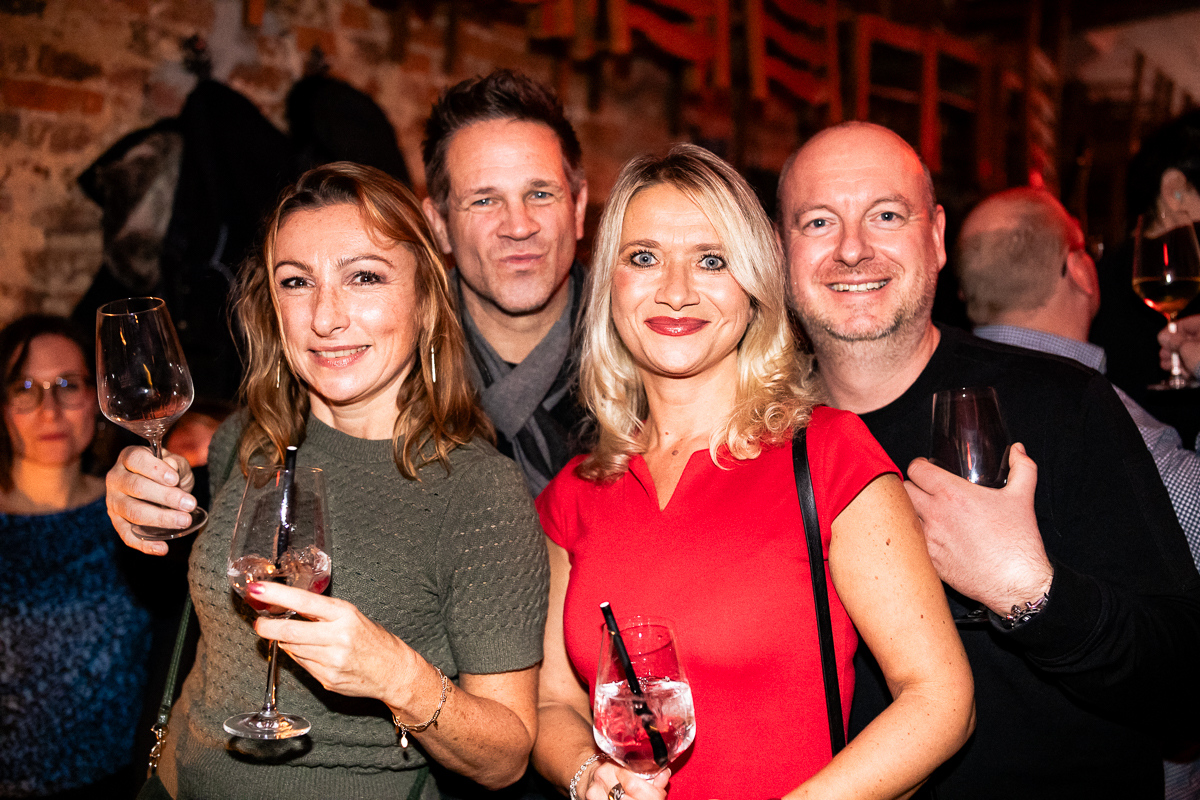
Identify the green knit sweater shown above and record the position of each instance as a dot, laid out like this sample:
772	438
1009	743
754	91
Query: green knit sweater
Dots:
452	564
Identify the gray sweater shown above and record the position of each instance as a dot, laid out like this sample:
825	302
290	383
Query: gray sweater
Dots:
452	564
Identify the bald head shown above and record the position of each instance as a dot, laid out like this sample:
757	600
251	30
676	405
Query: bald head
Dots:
1012	253
851	136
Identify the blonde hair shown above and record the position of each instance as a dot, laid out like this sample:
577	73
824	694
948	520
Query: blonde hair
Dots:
431	420
774	394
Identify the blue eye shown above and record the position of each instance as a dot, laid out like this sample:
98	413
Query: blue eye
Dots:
712	262
642	259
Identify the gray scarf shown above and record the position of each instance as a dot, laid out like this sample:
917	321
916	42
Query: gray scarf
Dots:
518	399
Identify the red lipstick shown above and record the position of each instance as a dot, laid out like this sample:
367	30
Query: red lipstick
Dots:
673	326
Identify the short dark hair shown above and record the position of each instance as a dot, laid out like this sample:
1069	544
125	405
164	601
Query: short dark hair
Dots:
502	94
14	350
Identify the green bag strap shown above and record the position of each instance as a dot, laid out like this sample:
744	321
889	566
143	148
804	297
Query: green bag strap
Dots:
415	792
160	727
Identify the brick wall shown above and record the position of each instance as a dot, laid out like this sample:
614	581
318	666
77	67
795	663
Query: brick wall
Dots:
76	75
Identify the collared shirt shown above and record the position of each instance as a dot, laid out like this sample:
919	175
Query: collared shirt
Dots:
1178	466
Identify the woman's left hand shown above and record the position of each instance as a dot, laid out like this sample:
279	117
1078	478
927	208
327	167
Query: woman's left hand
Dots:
348	653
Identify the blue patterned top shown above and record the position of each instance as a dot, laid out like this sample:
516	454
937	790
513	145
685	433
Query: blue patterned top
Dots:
73	650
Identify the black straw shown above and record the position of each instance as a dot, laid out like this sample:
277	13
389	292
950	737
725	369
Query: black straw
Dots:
287	508
639	707
622	653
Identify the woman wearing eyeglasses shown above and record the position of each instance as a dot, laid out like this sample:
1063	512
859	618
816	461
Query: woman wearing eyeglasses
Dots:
73	638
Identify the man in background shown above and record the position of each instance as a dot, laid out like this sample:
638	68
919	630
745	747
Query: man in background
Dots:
1087	655
507	198
1028	281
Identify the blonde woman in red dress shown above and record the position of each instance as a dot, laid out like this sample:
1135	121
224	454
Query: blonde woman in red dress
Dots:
687	509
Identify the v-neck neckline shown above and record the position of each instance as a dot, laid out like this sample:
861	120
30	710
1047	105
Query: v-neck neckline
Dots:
641	471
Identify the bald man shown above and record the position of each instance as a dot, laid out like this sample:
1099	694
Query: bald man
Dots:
1093	634
1028	281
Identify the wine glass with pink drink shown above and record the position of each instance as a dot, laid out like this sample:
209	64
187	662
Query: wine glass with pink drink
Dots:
626	724
279	537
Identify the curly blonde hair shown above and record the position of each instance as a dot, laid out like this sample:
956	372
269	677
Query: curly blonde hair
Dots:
775	393
431	421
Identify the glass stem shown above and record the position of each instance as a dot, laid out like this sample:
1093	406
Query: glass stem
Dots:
1176	366
268	709
156	446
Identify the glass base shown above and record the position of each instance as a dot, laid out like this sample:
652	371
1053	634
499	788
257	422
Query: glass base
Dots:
1174	382
152	534
260	725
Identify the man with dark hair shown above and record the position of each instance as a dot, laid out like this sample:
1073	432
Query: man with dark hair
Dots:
507	199
1087	653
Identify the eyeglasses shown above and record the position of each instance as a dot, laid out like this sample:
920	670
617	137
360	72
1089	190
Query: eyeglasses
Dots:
68	391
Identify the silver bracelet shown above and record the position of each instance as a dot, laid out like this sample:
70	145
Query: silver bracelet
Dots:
1021	614
592	759
403	730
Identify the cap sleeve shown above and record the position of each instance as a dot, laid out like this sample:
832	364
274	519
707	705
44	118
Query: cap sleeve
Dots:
844	458
555	501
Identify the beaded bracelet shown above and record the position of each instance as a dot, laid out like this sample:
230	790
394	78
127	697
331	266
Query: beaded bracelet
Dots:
592	759
403	730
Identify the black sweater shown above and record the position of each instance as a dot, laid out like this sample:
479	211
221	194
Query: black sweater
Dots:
1070	704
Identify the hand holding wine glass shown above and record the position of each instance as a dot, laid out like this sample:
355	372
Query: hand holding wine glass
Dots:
279	537
969	438
1166	275
142	381
1182	342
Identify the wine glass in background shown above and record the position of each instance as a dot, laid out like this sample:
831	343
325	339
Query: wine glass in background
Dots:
273	544
1166	275
971	440
620	723
142	380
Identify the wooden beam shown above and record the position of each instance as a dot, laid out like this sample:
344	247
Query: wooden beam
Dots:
756	48
1135	102
833	68
930	135
863	29
252	12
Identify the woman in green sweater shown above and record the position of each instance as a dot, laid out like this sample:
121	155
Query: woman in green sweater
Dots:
355	354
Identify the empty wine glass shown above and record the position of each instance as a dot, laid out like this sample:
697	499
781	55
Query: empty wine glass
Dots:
142	380
969	435
971	440
273	543
1166	275
620	726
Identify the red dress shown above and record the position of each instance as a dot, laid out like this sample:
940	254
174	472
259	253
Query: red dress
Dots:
726	562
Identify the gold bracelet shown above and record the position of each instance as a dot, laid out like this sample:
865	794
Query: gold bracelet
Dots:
403	730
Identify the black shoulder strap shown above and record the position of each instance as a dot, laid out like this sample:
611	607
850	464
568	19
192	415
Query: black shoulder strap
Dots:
816	563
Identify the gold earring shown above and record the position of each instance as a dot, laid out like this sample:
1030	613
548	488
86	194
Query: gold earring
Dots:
432	365
278	370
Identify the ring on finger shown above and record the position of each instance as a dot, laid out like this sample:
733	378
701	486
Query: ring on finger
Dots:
616	792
